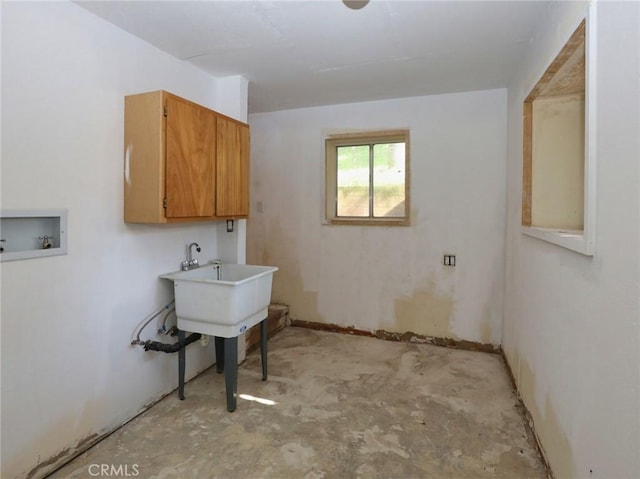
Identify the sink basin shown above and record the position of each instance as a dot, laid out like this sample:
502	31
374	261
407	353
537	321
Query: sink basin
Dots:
222	300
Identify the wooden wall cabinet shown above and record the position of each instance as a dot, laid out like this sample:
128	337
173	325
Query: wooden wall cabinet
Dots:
183	162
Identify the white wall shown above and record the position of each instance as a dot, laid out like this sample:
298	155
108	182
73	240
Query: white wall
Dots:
389	278
571	321
68	371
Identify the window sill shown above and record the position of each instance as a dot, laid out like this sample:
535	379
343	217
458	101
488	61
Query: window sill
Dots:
575	240
367	222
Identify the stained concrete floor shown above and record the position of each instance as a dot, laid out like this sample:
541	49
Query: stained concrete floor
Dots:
334	406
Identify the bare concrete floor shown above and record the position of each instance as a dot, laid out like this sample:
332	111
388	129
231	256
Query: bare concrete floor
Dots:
334	406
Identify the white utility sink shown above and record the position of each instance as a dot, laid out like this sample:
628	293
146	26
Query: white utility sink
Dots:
222	300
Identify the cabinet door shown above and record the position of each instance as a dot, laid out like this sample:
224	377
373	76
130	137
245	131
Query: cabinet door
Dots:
232	184
190	160
144	168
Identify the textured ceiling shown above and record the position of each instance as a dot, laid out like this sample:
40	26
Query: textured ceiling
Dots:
305	53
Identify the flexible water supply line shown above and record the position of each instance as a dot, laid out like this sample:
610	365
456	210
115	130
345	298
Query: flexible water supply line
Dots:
164	347
155	315
164	322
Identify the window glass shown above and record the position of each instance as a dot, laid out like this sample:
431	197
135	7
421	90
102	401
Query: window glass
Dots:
388	180
353	180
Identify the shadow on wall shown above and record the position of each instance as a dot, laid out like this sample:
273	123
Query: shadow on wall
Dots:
92	408
287	285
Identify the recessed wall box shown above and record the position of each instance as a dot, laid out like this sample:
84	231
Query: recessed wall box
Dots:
26	234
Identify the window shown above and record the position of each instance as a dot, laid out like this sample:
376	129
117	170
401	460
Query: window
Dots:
367	178
558	158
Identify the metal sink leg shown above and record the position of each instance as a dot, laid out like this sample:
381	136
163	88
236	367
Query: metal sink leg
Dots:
263	348
227	362
219	344
181	364
231	371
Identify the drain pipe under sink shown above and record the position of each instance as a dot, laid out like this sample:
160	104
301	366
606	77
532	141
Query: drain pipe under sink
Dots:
170	348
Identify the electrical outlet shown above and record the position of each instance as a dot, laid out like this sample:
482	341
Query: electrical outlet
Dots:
449	259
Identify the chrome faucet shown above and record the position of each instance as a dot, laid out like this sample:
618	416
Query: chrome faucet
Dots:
190	262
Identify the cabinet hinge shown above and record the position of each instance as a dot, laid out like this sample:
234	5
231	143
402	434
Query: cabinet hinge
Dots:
164	203
165	110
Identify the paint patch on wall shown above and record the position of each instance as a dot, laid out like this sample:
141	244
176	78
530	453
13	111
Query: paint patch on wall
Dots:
425	311
485	325
546	425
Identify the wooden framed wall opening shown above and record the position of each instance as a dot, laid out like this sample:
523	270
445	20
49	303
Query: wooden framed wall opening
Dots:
558	184
553	161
